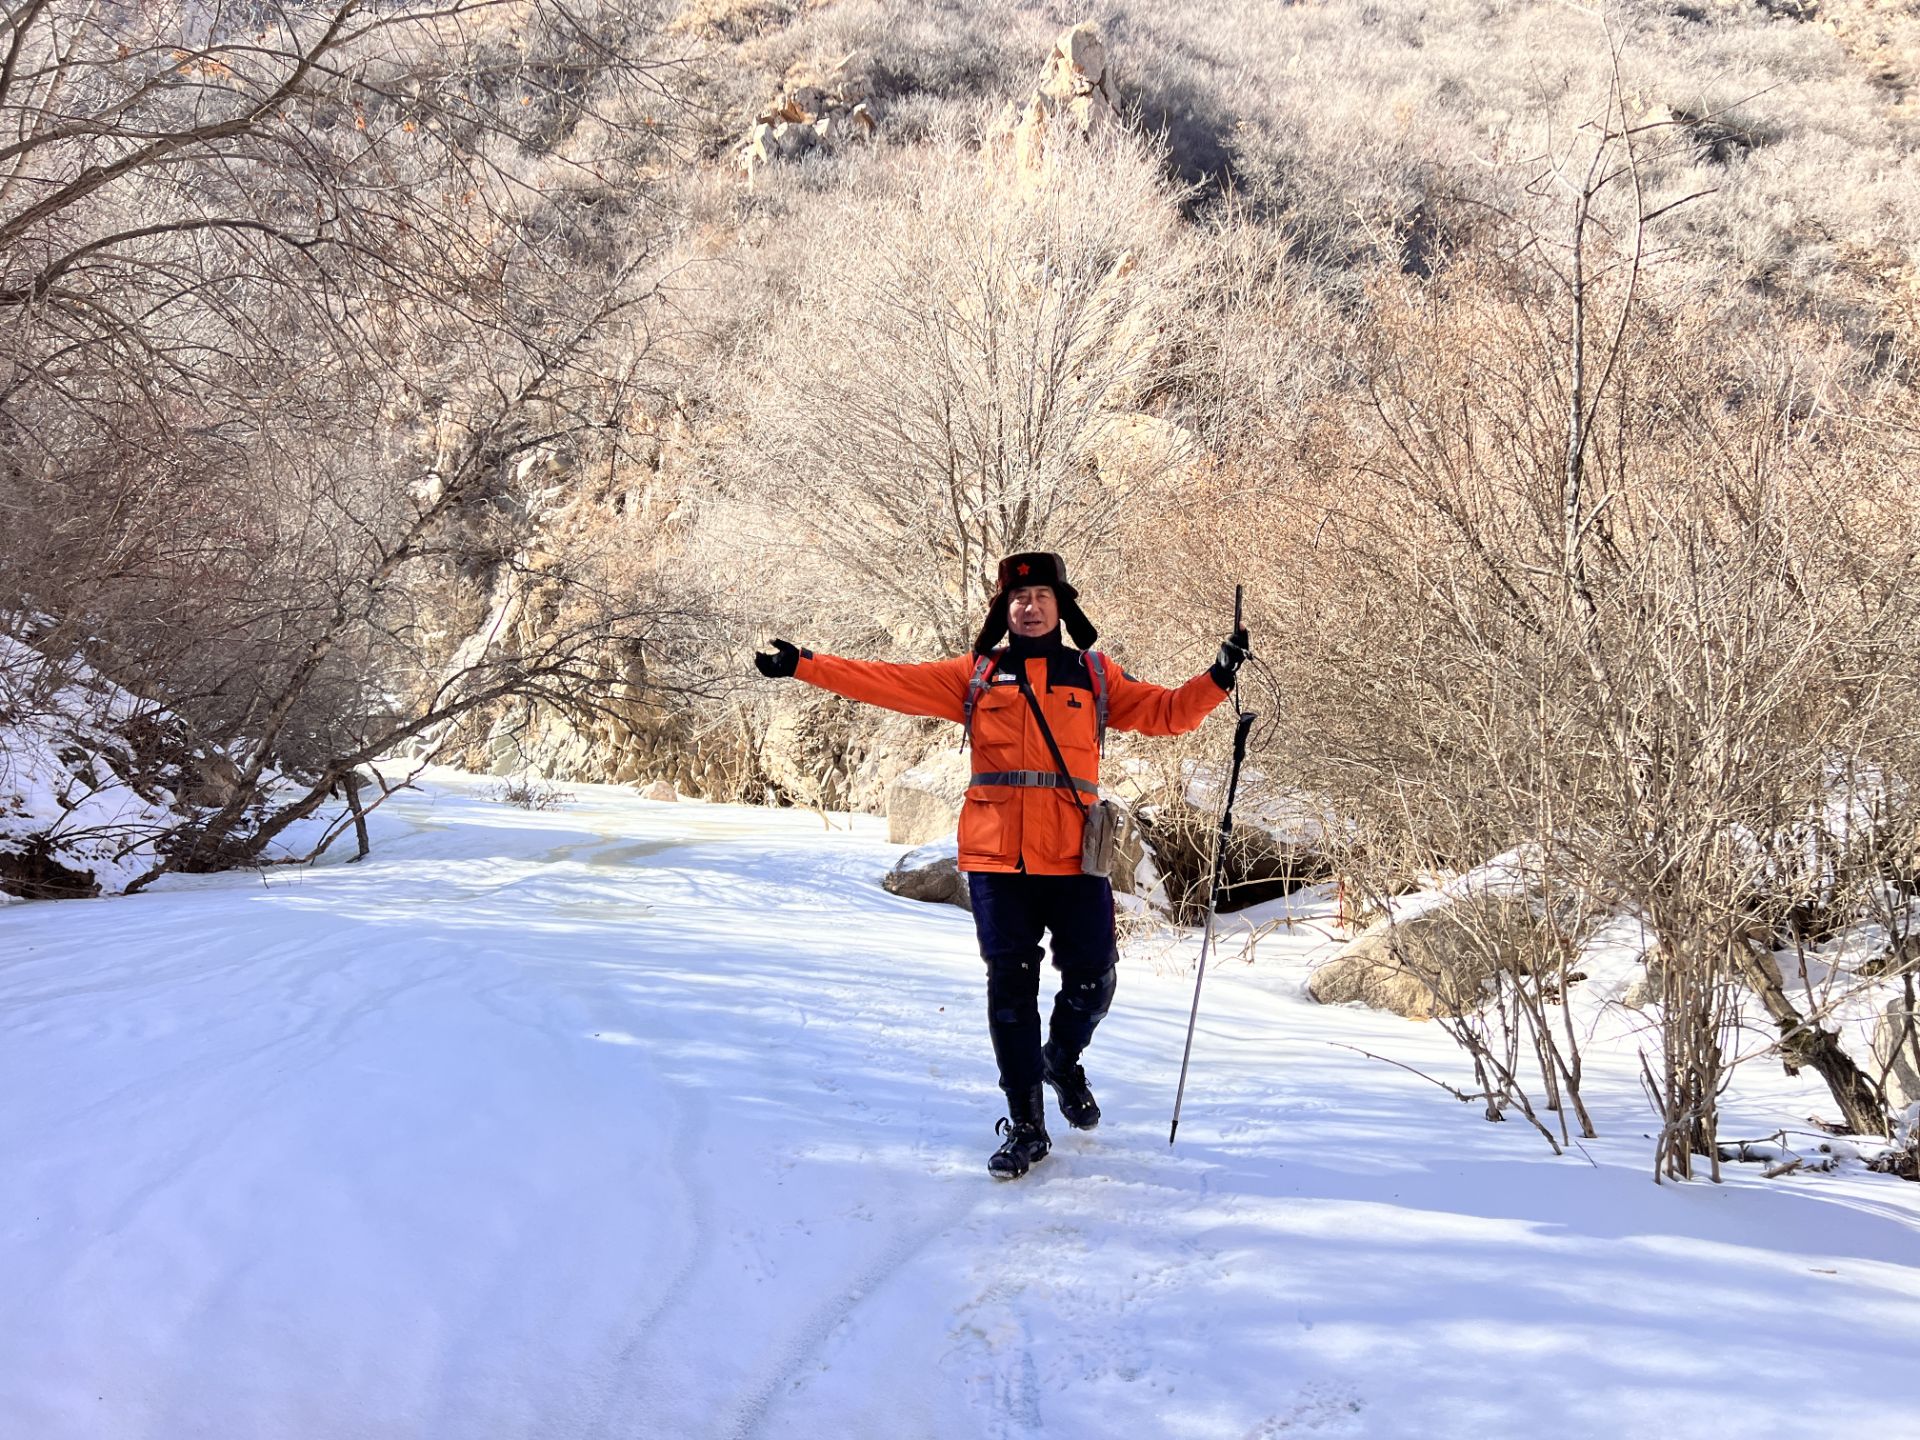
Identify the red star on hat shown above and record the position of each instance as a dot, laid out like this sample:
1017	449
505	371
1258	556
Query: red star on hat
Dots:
1025	568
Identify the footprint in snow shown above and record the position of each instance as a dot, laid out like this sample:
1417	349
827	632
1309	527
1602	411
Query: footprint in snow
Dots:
1316	1410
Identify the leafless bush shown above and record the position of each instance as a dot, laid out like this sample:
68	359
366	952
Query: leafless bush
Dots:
948	383
1685	694
530	793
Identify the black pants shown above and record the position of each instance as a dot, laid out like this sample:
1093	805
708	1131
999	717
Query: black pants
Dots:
1011	912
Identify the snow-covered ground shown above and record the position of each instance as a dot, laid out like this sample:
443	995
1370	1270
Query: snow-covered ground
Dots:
664	1120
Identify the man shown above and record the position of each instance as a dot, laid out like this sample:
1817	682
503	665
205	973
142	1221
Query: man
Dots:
1022	825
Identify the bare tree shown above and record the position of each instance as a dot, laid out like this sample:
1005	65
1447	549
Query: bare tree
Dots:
310	317
954	378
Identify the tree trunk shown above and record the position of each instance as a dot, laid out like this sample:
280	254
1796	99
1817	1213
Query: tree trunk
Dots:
1807	1044
363	846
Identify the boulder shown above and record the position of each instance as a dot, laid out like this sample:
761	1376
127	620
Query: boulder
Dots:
1078	63
1437	962
817	99
923	804
660	790
1264	859
1645	988
759	147
854	124
1900	1061
931	873
803	119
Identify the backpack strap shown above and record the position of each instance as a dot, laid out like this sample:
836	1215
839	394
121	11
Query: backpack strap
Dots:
1097	672
982	672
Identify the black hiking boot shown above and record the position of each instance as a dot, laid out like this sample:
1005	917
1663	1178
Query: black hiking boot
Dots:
1077	1105
1027	1140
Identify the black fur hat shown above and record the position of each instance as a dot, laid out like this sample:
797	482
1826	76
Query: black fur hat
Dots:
1035	567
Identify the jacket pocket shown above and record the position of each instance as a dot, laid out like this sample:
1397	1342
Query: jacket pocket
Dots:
990	830
1053	841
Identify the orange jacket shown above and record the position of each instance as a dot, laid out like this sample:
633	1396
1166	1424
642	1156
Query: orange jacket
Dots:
1012	828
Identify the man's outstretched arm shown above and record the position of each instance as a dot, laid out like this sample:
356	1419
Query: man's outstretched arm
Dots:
1160	710
937	688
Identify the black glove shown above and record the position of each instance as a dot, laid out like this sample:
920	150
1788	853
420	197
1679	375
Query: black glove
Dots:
1233	651
781	663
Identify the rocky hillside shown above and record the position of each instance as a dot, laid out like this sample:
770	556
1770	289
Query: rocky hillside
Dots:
1257	158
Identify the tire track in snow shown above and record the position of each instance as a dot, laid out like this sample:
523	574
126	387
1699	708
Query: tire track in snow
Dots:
637	1371
749	1420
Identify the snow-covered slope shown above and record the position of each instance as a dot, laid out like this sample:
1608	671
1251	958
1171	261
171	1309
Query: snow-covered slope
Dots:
650	1120
61	795
93	778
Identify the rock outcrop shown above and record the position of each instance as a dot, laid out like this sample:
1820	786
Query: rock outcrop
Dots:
804	119
1436	963
1646	986
1075	96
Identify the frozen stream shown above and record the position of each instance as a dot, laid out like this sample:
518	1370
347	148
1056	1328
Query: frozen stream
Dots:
663	1120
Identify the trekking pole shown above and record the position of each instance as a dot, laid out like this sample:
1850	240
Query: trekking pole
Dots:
1241	727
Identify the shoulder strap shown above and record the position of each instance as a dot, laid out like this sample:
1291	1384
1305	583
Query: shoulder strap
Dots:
982	671
1097	672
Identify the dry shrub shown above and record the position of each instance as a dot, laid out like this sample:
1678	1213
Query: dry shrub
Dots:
530	792
1649	678
939	389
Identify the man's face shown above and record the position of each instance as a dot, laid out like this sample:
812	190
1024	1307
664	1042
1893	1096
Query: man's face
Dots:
1032	610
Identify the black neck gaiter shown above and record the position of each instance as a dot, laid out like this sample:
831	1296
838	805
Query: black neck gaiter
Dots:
1026	647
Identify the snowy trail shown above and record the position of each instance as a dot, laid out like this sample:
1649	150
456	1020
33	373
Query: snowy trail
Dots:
632	1120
